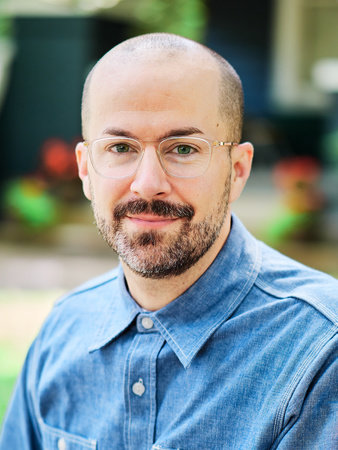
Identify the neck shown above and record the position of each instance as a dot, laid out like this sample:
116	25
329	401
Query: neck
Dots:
154	294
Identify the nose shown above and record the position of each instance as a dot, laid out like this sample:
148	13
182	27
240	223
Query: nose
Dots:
150	180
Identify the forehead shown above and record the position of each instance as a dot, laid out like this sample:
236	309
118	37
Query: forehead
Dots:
154	86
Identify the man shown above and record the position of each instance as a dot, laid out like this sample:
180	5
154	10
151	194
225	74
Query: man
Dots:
203	338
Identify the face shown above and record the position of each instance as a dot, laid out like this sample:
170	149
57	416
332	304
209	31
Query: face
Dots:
158	224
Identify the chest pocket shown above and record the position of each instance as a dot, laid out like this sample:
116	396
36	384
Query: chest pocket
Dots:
56	439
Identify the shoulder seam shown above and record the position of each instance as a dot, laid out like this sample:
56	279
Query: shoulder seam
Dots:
80	290
310	300
280	413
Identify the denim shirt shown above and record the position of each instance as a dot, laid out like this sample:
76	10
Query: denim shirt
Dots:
244	359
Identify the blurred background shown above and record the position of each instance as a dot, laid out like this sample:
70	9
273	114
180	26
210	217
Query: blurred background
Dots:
286	53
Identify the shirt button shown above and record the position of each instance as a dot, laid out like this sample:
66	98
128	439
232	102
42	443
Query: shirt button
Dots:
138	388
62	444
147	323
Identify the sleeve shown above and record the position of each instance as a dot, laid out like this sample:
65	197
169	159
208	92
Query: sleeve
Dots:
20	427
315	425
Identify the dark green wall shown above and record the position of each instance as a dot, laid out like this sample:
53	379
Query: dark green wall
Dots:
53	57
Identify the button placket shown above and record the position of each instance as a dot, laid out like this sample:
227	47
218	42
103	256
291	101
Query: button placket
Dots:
140	386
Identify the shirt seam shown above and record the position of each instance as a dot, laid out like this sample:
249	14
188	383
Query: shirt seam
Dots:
36	418
128	362
79	291
87	442
156	348
280	414
312	301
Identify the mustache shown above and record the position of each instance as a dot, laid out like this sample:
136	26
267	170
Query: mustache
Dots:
156	207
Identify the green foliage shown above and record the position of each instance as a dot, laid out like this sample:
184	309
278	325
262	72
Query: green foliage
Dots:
11	360
184	17
28	200
5	27
282	226
6	388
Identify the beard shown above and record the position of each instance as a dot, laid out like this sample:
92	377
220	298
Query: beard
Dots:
159	254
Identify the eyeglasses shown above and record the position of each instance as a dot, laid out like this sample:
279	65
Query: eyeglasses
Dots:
183	157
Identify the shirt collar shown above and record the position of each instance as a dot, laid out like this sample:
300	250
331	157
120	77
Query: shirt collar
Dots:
187	322
120	312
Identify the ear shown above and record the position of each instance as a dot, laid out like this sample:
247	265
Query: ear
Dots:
82	164
242	155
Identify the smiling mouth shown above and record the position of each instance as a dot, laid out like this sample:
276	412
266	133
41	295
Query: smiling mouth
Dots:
151	221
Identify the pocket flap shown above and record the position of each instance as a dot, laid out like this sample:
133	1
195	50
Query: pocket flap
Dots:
56	439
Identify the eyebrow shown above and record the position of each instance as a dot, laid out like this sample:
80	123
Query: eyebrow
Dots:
185	131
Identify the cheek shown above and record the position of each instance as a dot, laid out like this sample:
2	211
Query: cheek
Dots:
205	192
199	194
106	194
211	194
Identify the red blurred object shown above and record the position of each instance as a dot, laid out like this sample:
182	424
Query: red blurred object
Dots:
58	159
297	177
291	171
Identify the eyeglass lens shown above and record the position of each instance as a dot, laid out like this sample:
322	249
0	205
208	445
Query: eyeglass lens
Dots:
180	157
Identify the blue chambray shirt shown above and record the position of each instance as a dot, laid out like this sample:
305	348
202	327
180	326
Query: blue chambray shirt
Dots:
244	359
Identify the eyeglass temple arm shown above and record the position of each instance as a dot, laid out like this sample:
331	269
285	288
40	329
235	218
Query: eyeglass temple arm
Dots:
224	144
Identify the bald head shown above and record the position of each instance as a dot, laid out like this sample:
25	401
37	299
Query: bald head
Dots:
160	48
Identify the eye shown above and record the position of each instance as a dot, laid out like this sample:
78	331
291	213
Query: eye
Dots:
120	148
184	149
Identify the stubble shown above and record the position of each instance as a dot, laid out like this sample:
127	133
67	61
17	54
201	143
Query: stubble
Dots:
162	254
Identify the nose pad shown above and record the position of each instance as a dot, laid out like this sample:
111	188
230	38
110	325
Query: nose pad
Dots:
150	179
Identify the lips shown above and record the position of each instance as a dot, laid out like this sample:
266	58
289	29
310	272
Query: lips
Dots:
150	220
